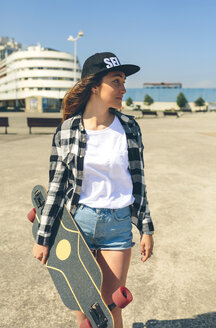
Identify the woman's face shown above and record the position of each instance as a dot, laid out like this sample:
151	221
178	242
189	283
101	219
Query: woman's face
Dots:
112	89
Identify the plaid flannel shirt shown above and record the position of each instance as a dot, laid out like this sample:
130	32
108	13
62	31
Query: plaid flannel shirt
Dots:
66	173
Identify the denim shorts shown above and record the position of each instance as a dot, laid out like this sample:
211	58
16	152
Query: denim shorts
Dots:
105	229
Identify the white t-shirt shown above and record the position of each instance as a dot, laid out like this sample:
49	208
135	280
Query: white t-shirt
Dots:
106	180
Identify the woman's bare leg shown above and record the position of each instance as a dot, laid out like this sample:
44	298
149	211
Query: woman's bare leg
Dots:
114	265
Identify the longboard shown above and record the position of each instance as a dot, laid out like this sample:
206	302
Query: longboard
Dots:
74	269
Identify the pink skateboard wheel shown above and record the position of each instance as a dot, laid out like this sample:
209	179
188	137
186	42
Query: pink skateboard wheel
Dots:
122	297
31	215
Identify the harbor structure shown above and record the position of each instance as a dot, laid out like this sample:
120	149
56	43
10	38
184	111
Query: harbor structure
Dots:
162	85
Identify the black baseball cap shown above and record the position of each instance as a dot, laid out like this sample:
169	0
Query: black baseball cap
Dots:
106	62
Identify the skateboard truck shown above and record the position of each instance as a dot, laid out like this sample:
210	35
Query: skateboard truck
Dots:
121	297
39	199
98	316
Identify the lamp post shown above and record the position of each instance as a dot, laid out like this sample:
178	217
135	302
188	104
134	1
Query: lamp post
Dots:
72	39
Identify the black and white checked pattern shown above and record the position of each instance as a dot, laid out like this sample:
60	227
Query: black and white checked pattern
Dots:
66	173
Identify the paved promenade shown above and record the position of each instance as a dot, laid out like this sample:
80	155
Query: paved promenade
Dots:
176	288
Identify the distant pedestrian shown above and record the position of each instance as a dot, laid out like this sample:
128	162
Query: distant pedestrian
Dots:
97	169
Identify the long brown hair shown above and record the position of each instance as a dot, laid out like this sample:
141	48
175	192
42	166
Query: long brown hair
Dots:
76	98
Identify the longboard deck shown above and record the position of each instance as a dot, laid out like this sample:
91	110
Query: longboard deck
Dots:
71	264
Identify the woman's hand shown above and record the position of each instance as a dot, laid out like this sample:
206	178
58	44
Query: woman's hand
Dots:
41	253
146	246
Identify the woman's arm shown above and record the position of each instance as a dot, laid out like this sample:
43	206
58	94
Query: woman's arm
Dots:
147	224
58	174
146	242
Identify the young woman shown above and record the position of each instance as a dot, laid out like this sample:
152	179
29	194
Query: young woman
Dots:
97	169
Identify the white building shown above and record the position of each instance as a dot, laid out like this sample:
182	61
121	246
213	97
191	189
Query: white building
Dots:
8	46
36	79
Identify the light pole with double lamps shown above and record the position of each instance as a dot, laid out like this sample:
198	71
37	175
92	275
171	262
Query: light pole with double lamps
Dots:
72	39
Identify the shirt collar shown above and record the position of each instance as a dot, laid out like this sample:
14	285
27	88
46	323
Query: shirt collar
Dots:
77	120
123	117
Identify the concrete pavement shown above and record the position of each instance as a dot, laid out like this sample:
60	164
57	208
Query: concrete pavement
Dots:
177	286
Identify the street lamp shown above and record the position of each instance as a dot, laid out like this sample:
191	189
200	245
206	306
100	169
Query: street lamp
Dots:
72	39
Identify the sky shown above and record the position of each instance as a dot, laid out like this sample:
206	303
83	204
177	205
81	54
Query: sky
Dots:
171	40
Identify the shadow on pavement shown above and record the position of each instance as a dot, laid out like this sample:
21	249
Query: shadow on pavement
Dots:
3	133
206	320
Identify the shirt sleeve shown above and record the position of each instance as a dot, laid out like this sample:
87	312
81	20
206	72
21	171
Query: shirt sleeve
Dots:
56	191
144	212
